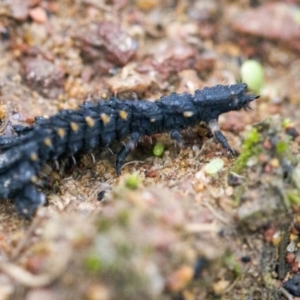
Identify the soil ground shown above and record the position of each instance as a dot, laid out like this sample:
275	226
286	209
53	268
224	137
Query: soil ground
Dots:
167	228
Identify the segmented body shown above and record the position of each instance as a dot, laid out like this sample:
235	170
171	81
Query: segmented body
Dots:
97	124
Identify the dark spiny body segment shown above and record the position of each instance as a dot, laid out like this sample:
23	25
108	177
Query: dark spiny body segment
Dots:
96	125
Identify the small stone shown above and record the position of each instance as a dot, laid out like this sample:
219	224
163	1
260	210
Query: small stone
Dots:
147	4
43	76
98	292
179	279
294	268
267	144
38	14
32	3
19	10
263	158
297	259
220	286
293	237
37	294
267	168
276	238
274	162
275	21
291	247
290	258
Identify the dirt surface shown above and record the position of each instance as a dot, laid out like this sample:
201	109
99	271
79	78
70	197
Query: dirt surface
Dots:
168	227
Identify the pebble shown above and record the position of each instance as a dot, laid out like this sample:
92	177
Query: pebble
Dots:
273	21
38	14
291	247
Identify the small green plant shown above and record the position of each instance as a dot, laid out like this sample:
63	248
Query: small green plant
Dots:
132	181
158	149
253	75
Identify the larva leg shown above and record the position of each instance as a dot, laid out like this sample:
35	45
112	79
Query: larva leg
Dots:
134	138
219	136
21	130
175	135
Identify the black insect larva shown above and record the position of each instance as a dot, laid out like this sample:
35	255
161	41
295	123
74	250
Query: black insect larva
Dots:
98	124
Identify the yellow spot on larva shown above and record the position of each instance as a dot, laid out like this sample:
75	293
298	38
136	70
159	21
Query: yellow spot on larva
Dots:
61	132
74	126
105	118
152	120
33	179
33	156
188	114
90	121
123	114
47	142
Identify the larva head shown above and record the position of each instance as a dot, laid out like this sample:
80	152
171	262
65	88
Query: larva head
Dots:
240	99
224	98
